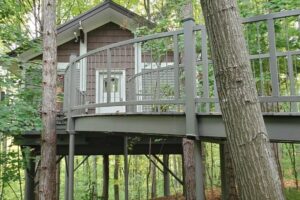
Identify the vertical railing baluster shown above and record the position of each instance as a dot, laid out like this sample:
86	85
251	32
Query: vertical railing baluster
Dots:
72	83
273	57
217	105
108	76
261	91
158	85
292	81
176	68
205	67
66	89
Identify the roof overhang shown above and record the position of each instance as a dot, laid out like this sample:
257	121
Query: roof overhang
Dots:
92	19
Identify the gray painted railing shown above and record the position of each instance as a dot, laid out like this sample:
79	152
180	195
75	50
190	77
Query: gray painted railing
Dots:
161	72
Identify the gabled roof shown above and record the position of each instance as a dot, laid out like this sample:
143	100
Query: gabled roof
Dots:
100	8
105	12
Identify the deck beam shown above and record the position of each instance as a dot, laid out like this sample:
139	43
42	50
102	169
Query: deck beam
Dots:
281	128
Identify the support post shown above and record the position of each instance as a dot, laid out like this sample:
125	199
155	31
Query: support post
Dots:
126	167
71	127
29	179
105	189
66	177
166	175
190	103
165	167
71	166
190	80
198	170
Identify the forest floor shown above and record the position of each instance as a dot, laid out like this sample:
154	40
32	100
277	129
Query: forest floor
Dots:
214	194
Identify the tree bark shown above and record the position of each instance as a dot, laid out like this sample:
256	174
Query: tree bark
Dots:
189	169
228	183
187	144
254	163
57	179
166	175
116	177
95	181
105	177
153	178
277	159
48	143
37	179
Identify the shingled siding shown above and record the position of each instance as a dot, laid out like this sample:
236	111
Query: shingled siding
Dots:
65	50
107	34
122	58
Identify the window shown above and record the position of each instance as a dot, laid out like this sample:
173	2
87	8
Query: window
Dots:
114	83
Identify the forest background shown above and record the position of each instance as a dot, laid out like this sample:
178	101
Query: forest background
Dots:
21	24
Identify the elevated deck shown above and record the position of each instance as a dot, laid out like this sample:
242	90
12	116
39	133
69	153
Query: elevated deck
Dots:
142	96
161	85
281	127
103	134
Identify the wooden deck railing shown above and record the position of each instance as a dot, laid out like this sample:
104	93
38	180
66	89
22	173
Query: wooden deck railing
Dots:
173	72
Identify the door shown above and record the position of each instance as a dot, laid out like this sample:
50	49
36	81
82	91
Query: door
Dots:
117	90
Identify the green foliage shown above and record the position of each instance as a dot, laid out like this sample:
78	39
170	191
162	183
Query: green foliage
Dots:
20	109
257	7
292	194
11	162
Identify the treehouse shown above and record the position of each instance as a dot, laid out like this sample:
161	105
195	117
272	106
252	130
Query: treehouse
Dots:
160	88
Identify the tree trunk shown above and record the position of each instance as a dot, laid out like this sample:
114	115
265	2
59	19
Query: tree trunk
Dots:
105	177
153	178
277	159
48	143
147	9
254	163
3	166
166	175
37	179
188	145
95	181
29	177
189	169
292	155
116	178
57	179
228	183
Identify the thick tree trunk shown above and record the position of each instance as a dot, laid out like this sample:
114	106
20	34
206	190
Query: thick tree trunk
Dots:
48	143
277	159
254	164
189	169
229	186
116	178
105	177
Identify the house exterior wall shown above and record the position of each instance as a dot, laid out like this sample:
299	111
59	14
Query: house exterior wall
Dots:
122	58
107	34
65	50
